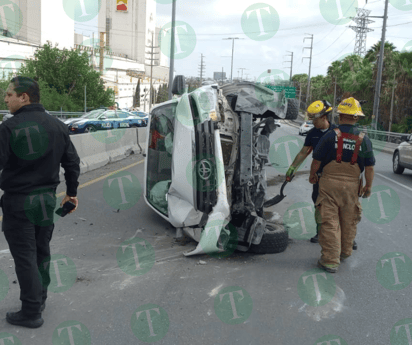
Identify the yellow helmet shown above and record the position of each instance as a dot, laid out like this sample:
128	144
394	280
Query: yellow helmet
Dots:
318	109
350	106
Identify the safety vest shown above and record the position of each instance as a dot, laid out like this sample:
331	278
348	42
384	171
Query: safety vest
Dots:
339	150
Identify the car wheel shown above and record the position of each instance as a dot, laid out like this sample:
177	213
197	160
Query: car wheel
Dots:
275	240
397	167
90	129
292	112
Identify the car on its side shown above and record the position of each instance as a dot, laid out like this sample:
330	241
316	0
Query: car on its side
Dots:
305	127
101	119
402	156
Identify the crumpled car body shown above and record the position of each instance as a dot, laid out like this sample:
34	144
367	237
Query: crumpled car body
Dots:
204	170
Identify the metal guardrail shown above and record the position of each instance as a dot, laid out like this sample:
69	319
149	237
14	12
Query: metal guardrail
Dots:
390	137
59	114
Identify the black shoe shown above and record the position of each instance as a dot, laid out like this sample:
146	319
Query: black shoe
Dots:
327	268
315	239
20	319
355	246
43	306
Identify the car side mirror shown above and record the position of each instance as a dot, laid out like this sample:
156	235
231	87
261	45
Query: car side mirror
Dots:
179	83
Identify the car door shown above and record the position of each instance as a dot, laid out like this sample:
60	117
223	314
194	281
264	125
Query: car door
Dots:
407	153
124	120
107	119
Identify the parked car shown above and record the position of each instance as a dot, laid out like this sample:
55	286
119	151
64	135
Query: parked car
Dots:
402	156
205	166
142	115
305	127
101	119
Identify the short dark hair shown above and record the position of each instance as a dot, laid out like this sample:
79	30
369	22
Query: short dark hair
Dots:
27	85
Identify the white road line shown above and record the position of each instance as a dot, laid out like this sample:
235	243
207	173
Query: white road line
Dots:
400	184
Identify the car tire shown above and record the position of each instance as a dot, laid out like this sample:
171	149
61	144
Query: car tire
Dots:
90	129
275	240
293	109
397	167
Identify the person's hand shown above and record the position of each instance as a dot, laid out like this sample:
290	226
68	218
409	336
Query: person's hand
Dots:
366	192
290	172
73	199
313	179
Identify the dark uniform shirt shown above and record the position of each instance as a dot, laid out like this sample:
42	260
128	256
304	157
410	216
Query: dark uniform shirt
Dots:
314	135
327	146
33	144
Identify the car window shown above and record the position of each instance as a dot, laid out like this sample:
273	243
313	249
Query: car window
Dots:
309	122
93	114
123	114
110	114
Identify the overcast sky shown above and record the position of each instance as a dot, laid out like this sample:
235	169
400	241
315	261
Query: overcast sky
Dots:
267	30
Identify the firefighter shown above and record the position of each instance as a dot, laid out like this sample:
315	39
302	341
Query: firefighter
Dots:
342	154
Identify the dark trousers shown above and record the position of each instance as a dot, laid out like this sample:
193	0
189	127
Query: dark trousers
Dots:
315	194
29	243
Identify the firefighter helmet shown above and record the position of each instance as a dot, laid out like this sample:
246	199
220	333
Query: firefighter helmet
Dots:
318	109
350	106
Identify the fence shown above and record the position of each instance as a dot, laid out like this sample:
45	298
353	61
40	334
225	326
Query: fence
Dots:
59	114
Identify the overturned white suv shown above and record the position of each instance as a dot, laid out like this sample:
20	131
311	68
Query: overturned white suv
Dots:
205	165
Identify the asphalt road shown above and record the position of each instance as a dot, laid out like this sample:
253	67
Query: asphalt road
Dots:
104	294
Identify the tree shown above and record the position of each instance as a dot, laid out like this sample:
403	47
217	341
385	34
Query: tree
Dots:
136	97
163	94
373	52
62	76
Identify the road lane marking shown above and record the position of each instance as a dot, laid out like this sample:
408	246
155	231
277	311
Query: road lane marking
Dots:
400	184
96	180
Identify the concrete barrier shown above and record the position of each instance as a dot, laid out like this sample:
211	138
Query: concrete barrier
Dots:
95	153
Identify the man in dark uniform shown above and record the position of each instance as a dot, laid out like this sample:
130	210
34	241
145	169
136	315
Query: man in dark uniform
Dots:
33	144
342	154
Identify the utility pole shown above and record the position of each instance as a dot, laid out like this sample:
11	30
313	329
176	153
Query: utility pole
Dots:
300	94
242	69
310	64
85	99
233	49
380	67
334	101
222	75
201	66
101	51
172	49
152	60
291	63
93	51
361	29
392	101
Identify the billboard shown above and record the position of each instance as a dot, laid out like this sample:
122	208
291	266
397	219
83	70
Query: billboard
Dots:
219	75
121	5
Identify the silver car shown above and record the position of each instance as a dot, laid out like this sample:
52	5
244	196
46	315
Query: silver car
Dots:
402	157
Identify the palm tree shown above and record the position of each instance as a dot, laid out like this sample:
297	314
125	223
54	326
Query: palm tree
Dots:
373	52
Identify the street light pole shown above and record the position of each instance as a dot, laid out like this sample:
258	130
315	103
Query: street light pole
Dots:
85	99
172	49
233	49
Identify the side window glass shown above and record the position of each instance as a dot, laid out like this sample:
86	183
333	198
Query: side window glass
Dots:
123	115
